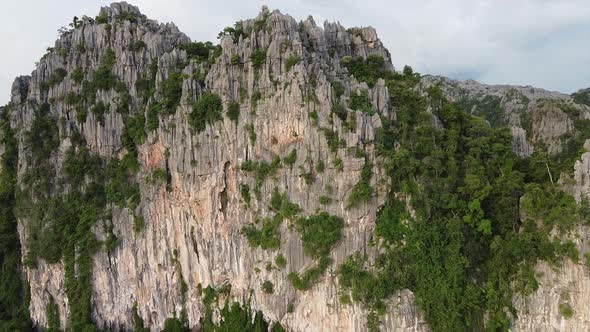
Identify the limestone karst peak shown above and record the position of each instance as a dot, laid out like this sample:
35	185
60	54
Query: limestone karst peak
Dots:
264	11
119	8
178	176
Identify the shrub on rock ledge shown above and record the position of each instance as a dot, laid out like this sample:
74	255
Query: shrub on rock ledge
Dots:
205	110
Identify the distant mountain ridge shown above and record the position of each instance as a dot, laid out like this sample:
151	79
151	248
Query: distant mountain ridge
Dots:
286	179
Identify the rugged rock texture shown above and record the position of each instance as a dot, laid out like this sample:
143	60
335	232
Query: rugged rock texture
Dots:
579	185
567	286
550	117
535	116
192	229
191	218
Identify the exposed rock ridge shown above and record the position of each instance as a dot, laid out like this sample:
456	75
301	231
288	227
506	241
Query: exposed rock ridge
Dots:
192	232
188	219
570	284
545	111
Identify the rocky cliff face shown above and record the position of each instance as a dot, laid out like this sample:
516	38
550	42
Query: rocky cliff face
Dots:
192	218
539	118
568	285
535	116
194	214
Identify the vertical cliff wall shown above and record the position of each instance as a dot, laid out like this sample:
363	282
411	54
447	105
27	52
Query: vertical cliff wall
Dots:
193	222
184	233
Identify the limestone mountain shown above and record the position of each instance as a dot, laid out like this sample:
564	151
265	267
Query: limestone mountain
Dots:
288	178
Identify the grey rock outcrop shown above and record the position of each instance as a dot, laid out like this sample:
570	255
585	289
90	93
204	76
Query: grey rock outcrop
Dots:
535	116
569	285
193	224
190	220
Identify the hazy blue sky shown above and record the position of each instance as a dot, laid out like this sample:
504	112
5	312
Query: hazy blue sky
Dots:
544	43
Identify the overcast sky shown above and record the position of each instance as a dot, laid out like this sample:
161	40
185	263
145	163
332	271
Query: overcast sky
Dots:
544	43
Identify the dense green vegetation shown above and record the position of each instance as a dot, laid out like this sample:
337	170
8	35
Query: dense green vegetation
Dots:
14	296
138	324
134	131
99	110
158	176
481	216
566	310
362	190
251	133
245	193
176	324
282	206
57	76
488	107
463	226
233	316
235	32
340	111
102	18
138	45
67	219
77	75
360	102
291	158
152	117
572	144
261	170
267	287
308	176
333	140
233	111
258	58
368	70
319	233
254	99
325	200
290	62
146	86
338	164
63	208
281	261
582	97
337	89
261	24
52	313
171	92
313	115
201	51
126	16
268	236
320	166
206	110
101	79
235	59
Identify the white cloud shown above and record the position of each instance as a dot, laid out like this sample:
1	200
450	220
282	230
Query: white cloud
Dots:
543	43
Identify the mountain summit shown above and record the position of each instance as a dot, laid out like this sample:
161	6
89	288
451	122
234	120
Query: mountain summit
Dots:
287	178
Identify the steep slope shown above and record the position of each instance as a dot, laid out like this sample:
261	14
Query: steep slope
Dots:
194	215
177	177
535	116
